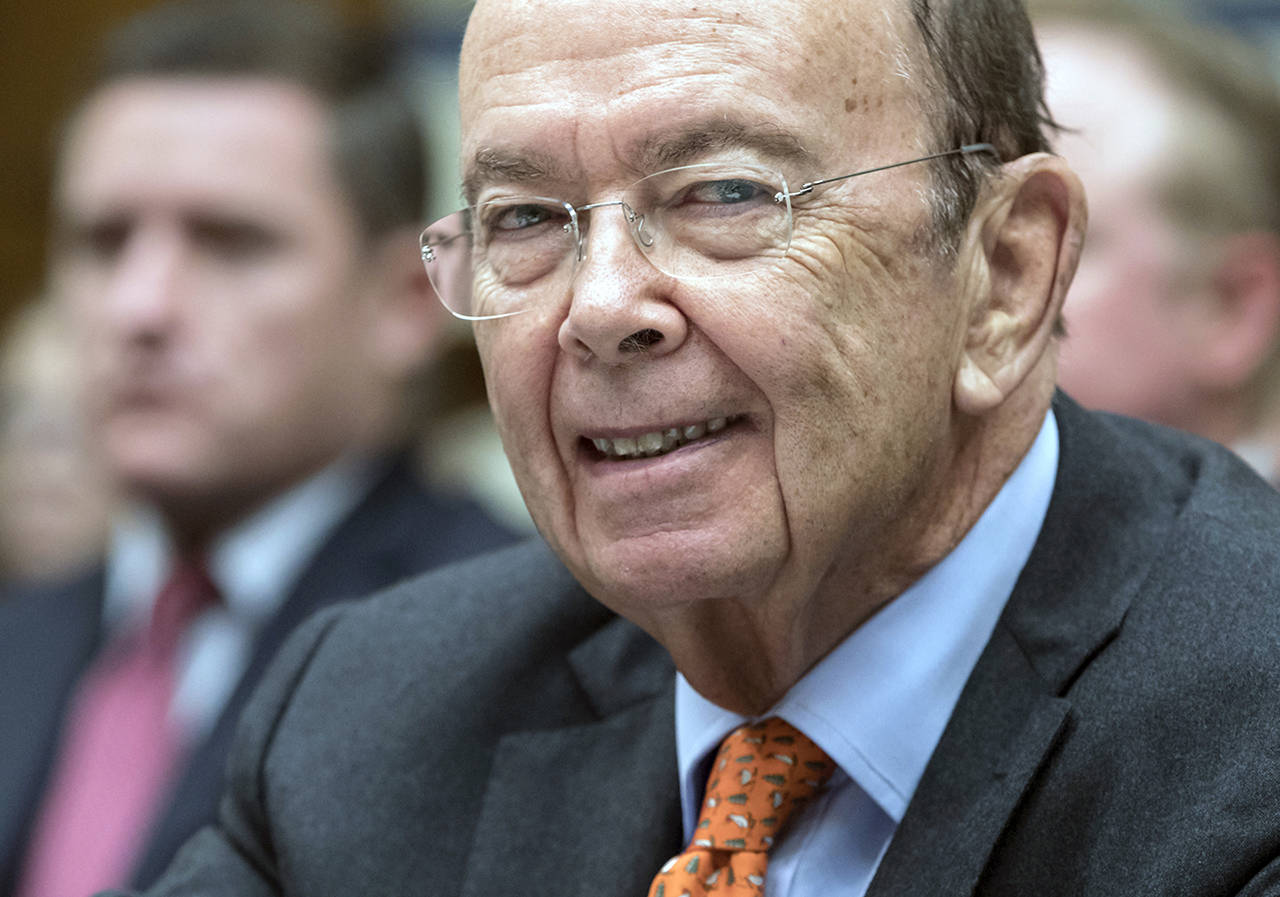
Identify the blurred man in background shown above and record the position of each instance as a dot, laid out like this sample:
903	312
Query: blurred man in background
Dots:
1175	313
236	211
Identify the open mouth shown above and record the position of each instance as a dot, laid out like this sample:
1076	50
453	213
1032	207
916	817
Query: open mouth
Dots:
660	442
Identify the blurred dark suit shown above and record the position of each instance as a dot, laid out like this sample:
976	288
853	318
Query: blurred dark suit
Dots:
397	530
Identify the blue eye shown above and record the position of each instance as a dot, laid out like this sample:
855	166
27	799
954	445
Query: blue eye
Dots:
726	192
519	220
524	216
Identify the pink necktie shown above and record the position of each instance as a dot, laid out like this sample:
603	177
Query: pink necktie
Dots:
117	756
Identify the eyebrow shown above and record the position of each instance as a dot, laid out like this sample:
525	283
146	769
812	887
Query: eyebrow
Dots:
691	143
657	152
492	164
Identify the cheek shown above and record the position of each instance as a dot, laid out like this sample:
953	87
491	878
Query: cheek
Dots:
518	414
846	350
285	352
849	332
305	303
271	348
80	295
519	364
1119	310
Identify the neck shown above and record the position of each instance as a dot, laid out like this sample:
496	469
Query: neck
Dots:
195	519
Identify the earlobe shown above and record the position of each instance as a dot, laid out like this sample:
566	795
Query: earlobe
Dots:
975	391
1025	236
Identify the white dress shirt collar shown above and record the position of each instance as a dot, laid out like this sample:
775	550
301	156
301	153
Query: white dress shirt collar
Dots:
879	702
253	564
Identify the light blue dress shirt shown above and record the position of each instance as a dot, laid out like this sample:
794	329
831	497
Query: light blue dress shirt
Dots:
878	703
254	565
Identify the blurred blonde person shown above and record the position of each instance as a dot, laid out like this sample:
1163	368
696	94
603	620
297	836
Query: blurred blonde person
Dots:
54	493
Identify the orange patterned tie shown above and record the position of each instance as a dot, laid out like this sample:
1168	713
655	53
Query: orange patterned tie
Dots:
763	772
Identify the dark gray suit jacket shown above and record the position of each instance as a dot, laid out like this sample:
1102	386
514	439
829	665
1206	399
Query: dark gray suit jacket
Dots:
49	634
1120	734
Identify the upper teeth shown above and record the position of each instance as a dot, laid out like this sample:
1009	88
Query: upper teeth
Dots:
659	441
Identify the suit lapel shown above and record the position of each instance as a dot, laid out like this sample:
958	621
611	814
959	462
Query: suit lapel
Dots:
1107	515
587	809
1001	732
379	543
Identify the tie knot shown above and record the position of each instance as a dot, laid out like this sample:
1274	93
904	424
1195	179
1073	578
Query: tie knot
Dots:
187	592
762	773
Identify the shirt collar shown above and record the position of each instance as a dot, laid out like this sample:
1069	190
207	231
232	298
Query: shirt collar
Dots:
878	703
253	564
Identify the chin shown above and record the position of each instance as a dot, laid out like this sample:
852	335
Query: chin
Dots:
159	467
673	568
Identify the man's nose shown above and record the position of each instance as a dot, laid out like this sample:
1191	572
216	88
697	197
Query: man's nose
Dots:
620	307
144	289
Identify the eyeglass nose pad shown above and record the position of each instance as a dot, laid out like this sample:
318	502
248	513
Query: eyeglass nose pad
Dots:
637	222
580	253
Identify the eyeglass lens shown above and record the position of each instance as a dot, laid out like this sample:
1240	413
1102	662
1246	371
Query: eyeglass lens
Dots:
507	254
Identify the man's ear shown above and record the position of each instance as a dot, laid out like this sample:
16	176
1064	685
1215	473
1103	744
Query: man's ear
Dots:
406	319
1238	327
1024	241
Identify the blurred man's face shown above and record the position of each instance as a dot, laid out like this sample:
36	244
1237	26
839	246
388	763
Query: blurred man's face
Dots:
1129	322
209	259
831	370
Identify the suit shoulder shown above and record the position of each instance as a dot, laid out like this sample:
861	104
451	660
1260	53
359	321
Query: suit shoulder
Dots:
1129	476
1178	541
460	614
525	576
401	496
1223	530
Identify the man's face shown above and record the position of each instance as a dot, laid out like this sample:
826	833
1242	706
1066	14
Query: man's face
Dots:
209	258
833	368
1129	328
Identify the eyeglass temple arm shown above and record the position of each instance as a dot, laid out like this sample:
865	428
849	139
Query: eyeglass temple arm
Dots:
964	150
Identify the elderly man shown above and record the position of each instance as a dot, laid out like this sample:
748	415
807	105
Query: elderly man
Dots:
236	202
1175	313
791	435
